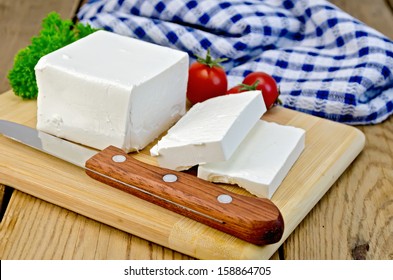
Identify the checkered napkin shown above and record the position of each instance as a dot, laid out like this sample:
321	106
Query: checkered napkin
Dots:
326	62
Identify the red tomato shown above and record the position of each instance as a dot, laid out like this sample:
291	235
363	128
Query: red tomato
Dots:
241	88
265	83
206	79
235	89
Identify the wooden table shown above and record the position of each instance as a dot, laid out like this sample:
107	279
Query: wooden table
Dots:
352	221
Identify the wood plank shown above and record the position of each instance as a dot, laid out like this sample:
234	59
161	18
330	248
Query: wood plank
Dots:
40	230
358	208
68	186
29	221
19	21
375	13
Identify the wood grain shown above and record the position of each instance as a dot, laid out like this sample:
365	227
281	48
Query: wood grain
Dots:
358	208
68	186
375	13
51	232
255	220
29	220
351	232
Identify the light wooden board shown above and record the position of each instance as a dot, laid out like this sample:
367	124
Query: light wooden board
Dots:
330	148
34	229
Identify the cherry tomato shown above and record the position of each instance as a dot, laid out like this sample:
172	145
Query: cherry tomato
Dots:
265	83
236	89
206	79
242	88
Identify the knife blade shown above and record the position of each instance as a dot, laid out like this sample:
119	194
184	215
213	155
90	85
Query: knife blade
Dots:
252	219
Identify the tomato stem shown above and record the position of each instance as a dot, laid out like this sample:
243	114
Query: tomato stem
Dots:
209	61
245	87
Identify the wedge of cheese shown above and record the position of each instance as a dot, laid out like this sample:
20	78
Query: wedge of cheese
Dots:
107	89
262	160
210	131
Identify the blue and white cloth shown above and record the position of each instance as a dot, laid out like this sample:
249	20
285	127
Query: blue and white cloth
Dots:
326	62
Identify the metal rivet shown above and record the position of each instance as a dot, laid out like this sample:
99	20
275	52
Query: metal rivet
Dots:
119	158
224	198
169	178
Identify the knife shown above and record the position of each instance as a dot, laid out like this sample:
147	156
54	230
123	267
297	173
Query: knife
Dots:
252	219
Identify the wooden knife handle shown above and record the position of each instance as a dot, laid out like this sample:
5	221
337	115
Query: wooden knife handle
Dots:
256	220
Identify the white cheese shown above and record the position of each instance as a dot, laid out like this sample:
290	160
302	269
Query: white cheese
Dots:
262	160
210	131
107	89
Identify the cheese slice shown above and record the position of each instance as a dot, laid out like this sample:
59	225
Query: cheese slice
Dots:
210	131
107	89
261	162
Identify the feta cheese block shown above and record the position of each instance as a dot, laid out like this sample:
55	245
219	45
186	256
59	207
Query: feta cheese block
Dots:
210	131
107	89
261	162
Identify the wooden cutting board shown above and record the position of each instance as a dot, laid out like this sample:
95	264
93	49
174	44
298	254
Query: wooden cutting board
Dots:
330	149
